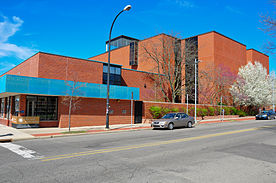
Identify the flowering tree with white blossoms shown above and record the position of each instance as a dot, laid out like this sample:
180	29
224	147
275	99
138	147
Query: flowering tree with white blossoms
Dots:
252	87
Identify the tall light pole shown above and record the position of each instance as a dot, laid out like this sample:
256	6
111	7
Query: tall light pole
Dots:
273	87
196	62
127	8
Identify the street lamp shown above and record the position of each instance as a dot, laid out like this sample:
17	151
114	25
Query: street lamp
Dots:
196	62
273	87
127	8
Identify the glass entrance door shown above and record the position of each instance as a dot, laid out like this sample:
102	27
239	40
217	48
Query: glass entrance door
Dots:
31	107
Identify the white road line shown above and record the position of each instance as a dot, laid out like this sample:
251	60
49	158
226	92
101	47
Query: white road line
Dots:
22	151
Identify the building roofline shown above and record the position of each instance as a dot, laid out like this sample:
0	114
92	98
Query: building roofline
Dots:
122	36
128	45
19	64
257	51
79	58
142	71
107	52
216	33
41	52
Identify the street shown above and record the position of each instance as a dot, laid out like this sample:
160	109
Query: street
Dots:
220	152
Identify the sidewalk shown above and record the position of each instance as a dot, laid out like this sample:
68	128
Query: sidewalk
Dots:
9	133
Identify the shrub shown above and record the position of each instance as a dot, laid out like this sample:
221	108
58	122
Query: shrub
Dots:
191	111
174	110
217	111
202	112
233	111
211	111
241	113
156	112
227	111
164	111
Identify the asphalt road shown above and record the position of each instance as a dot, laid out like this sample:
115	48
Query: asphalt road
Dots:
225	152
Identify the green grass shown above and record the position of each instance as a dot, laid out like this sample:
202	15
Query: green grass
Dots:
72	132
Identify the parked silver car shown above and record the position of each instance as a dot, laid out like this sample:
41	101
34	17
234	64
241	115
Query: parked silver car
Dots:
172	120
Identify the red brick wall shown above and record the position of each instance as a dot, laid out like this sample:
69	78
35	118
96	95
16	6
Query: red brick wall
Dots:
92	112
4	121
121	55
148	89
255	56
66	68
229	53
22	105
117	56
27	68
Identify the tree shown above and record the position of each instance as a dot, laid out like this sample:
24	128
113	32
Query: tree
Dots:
169	55
72	99
252	87
214	82
269	23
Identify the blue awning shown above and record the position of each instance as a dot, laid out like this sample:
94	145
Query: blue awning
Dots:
12	84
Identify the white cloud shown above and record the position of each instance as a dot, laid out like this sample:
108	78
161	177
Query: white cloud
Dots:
184	3
5	66
7	29
7	49
233	10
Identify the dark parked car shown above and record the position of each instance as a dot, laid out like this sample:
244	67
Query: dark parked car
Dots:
266	115
172	120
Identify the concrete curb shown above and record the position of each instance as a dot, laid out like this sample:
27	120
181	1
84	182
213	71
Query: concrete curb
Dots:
227	120
116	130
54	135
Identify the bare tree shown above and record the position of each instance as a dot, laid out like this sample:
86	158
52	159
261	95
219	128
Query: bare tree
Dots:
269	23
72	99
168	55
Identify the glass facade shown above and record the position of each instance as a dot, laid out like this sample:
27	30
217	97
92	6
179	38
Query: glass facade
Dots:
16	102
115	75
8	107
43	106
133	53
2	107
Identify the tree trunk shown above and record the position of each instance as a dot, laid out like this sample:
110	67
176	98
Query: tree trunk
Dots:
70	107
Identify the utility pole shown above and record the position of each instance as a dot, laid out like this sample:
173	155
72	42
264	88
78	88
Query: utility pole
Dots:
131	108
220	107
187	110
196	62
127	8
273	87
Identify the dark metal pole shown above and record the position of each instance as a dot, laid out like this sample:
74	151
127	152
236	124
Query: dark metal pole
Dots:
108	73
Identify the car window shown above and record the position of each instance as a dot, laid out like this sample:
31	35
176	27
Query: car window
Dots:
169	116
183	115
178	115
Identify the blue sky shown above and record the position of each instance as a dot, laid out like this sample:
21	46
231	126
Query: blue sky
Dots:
80	28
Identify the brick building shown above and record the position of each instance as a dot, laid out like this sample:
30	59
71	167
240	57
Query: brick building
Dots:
33	92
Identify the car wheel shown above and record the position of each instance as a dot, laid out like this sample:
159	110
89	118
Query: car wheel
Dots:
170	126
189	124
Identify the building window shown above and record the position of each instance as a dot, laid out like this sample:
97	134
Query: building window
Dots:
191	53
133	53
8	108
44	107
2	107
115	75
16	105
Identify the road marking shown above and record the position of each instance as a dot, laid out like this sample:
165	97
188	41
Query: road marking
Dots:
122	148
22	151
